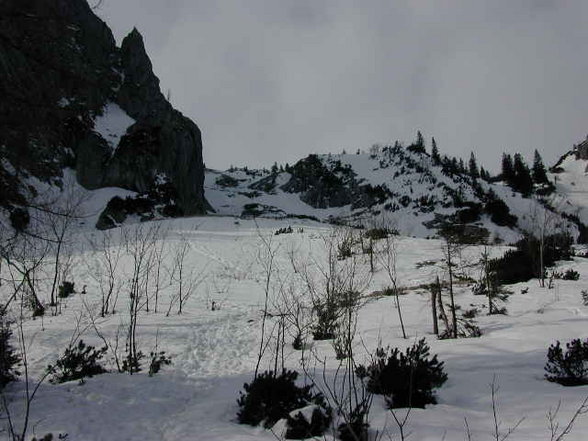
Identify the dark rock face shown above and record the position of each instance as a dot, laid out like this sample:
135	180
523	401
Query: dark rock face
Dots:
321	185
582	150
59	68
160	200
324	184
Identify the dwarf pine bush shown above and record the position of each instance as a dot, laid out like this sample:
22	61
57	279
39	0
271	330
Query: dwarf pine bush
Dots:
406	379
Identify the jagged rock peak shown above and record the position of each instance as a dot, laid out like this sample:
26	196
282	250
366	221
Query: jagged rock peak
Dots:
140	94
66	88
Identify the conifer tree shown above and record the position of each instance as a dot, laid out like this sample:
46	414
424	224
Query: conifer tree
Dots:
522	175
473	166
484	174
539	172
454	165
419	145
420	141
507	169
435	152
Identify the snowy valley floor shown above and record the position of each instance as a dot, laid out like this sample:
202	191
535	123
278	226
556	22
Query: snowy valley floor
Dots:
214	352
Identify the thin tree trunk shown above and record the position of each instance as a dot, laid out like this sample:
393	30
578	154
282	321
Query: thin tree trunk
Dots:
441	307
399	312
489	287
55	276
371	255
434	309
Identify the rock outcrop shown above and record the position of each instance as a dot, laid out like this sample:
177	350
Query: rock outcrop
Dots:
72	98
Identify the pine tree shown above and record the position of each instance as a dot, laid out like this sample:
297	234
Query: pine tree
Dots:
9	359
507	169
419	145
539	172
435	152
485	174
473	165
454	166
522	175
420	141
462	168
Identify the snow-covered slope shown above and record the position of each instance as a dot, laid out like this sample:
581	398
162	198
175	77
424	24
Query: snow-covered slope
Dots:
214	351
408	189
570	176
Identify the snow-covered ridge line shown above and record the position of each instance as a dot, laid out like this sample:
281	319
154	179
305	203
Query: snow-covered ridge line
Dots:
406	188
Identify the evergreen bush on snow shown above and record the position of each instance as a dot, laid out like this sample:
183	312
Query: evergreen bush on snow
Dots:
65	289
569	367
158	360
270	397
406	379
9	360
571	274
524	263
298	426
356	429
77	363
19	219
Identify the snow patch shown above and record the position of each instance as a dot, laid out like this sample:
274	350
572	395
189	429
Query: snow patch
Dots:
113	124
63	102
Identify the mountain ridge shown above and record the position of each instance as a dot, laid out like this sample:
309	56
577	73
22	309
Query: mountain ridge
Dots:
398	185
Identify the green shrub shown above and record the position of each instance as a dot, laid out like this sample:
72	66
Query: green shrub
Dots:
226	181
406	379
19	219
158	360
569	368
523	264
378	233
77	363
8	358
571	275
500	213
65	289
269	398
344	249
132	363
356	429
298	427
284	230
327	314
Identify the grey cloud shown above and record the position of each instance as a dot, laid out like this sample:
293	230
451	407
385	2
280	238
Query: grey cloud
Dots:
271	80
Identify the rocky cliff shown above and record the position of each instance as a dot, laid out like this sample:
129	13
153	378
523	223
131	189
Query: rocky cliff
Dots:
72	98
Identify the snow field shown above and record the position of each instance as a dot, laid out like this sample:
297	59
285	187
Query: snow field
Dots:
214	352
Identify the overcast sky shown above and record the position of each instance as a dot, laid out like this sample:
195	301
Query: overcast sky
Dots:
275	80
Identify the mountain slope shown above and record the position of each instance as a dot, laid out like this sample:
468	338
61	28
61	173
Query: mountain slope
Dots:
570	176
407	188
